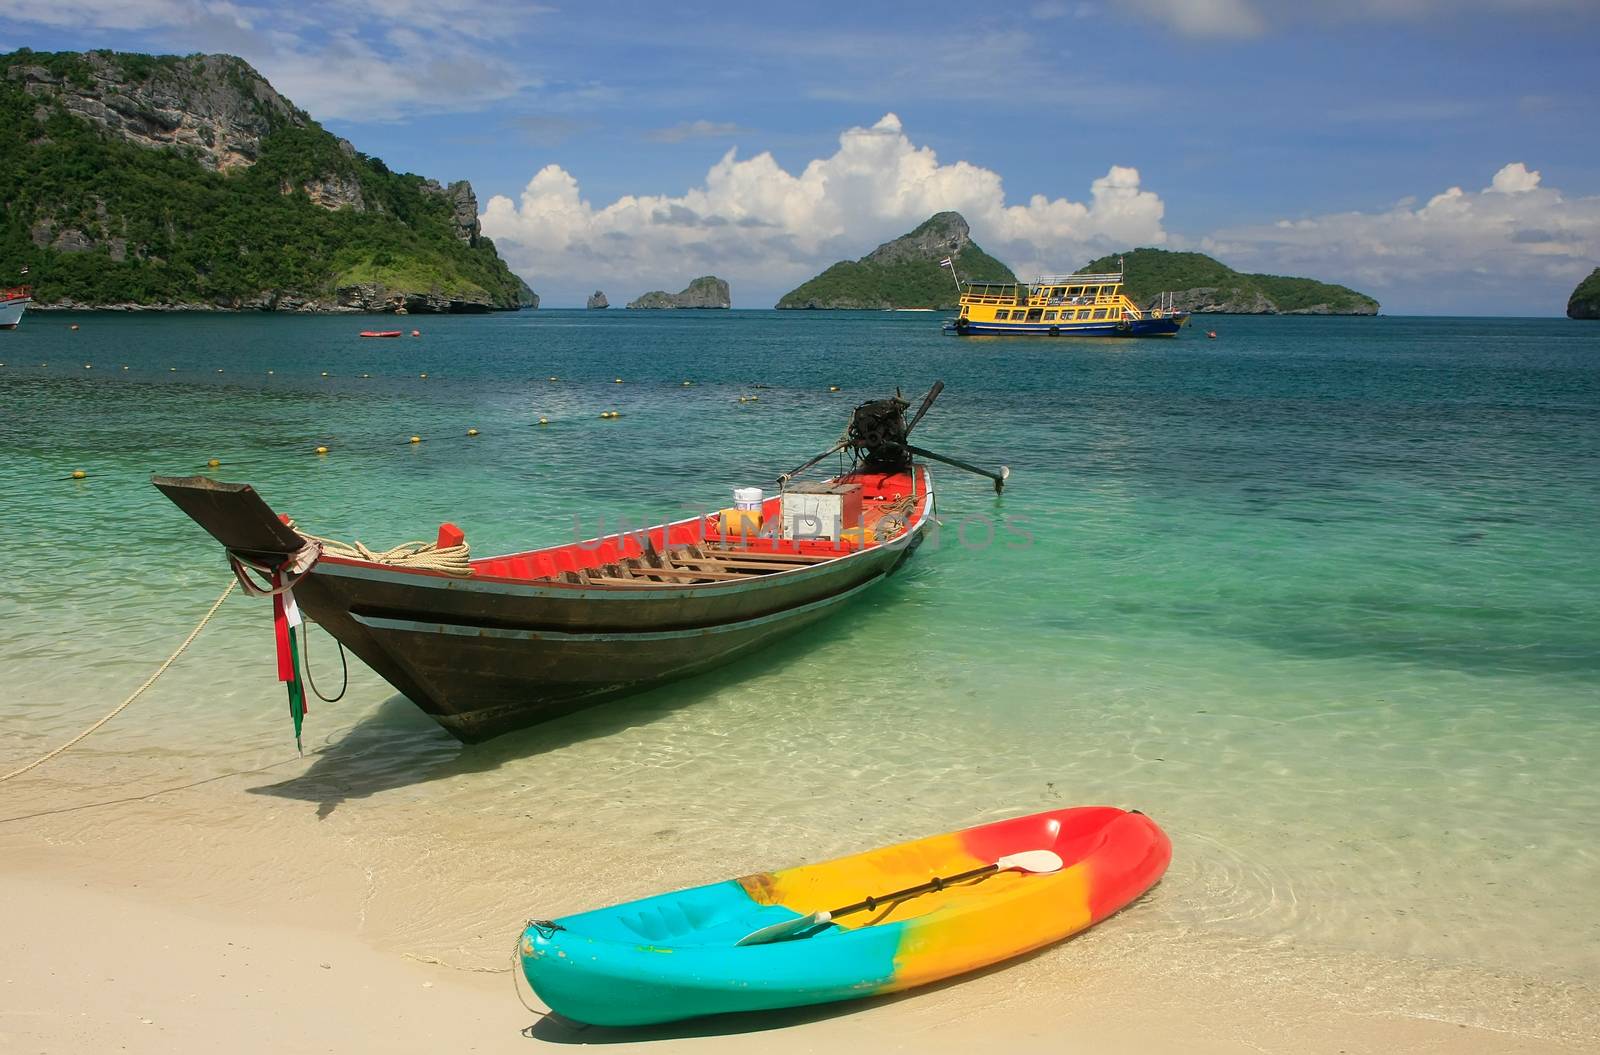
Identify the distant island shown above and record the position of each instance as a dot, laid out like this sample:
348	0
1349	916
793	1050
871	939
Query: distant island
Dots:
146	181
597	301
707	291
1585	300
1206	286
904	273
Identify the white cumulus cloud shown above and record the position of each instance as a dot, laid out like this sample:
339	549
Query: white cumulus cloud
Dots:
766	229
1514	245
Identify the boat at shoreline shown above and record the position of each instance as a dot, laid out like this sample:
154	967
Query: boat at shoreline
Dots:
776	939
1065	306
490	645
13	302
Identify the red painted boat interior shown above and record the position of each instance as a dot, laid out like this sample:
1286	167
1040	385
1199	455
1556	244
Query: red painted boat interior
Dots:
880	491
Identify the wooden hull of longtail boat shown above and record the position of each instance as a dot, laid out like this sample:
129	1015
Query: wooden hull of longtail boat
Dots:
488	654
676	956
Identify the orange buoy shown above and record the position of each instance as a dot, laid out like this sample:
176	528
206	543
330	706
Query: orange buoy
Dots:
1211	334
416	333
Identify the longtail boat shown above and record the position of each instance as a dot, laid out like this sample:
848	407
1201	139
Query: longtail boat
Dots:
877	922
497	643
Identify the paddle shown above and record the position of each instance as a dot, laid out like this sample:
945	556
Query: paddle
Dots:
1040	861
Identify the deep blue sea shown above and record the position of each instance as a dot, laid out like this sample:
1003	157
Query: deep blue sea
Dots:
1321	595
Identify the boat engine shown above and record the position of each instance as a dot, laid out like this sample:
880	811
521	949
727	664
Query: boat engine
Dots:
876	435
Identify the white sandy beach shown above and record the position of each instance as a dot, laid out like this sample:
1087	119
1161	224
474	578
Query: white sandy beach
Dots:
104	955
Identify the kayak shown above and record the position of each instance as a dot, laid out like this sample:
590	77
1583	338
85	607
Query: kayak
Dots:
380	333
679	955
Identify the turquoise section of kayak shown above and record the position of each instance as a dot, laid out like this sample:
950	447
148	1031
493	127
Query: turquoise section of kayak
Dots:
673	956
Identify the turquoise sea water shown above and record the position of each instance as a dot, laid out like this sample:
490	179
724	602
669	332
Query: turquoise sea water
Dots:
1322	596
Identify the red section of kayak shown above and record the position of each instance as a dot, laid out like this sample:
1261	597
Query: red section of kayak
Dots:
1125	851
380	333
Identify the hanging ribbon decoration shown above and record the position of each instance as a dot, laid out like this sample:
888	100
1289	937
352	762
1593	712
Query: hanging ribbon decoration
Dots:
286	619
286	623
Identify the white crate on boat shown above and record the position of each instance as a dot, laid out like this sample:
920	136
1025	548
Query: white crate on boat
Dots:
820	510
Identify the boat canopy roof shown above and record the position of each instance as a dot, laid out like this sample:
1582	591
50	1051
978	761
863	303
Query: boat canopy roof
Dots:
1103	279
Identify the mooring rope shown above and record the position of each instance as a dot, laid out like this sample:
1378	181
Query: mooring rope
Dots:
136	692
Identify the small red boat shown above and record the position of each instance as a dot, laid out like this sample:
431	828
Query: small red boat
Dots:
380	333
498	643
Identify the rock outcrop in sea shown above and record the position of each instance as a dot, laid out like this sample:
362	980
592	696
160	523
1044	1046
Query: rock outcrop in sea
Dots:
905	272
261	189
707	291
597	300
1585	300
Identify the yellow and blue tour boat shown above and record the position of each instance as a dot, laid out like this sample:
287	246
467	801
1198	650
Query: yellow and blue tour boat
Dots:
1070	306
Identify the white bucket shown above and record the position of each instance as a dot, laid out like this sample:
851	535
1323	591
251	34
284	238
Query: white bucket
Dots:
747	498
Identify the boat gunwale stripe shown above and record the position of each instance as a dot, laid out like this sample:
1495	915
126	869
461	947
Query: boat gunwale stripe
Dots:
467	630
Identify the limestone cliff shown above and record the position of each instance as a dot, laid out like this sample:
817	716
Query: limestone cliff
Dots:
597	300
708	291
225	195
905	272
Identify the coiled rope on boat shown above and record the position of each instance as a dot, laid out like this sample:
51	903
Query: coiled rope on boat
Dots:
452	560
119	708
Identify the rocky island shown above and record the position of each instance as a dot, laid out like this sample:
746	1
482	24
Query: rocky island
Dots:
1585	300
596	301
225	196
1206	286
707	291
904	273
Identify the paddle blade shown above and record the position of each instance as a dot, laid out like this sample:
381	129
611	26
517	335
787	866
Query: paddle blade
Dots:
784	929
1040	861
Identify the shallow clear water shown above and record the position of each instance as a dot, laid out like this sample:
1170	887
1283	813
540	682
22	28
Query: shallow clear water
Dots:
1321	596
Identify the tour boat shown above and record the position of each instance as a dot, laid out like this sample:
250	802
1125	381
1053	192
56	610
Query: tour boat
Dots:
1070	306
506	641
13	302
878	922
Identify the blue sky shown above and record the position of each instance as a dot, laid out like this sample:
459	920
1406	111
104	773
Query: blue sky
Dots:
1436	154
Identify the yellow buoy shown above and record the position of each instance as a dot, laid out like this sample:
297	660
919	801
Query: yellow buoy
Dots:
88	366
416	439
172	369
618	381
324	373
322	450
74	326
369	375
219	369
555	379
544	421
213	463
2	364
833	388
472	432
423	376
79	474
686	384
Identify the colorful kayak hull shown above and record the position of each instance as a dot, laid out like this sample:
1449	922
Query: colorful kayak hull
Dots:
674	956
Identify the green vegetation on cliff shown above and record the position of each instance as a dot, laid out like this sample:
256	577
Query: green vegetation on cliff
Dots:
106	202
1204	284
904	273
1585	300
